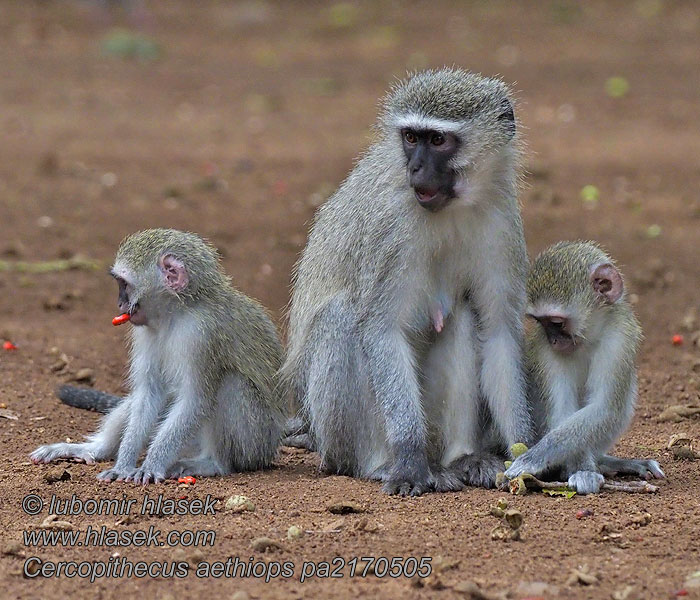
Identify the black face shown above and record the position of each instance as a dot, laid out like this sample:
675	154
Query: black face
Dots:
428	153
124	303
557	331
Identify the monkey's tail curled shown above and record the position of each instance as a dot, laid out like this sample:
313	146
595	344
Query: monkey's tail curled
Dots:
87	398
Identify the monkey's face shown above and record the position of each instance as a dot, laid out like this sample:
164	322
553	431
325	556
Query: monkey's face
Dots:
127	300
429	172
559	332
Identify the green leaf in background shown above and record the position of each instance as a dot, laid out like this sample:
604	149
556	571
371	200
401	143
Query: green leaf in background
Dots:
616	87
122	43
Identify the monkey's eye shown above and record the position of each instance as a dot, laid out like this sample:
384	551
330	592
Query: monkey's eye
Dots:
410	137
437	139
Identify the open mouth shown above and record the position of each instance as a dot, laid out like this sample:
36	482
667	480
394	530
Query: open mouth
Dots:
432	200
136	315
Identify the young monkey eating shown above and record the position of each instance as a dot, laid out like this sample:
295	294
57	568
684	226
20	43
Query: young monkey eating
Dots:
204	358
581	367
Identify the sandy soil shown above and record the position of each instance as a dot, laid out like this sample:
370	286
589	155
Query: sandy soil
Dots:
251	115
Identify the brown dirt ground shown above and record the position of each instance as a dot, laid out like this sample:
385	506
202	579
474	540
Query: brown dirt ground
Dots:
255	112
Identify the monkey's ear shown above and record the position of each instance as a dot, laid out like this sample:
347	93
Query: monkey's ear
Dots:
607	283
174	272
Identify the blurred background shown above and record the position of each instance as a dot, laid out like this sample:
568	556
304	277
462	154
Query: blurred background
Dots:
237	120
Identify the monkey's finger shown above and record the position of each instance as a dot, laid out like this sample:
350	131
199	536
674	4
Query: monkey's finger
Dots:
655	469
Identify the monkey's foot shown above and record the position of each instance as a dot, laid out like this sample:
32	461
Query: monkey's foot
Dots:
446	480
586	482
645	468
477	470
51	452
198	467
409	478
403	487
115	474
145	475
301	440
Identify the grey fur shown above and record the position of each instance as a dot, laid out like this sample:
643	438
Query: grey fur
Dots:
359	322
203	372
585	401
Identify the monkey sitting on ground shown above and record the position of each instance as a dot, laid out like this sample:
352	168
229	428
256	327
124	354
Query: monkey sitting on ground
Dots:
405	326
581	367
203	369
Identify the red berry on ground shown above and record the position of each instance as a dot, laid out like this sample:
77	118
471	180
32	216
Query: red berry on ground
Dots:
8	345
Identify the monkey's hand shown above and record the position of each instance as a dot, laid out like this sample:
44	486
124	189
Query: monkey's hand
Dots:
51	452
526	463
147	474
586	482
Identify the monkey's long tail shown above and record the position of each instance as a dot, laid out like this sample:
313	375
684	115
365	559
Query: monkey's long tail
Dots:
87	398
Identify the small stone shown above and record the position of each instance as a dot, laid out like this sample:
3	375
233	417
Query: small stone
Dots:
240	595
345	507
52	522
640	520
86	376
263	544
294	532
582	577
514	518
13	549
56	474
197	557
334	526
178	555
239	504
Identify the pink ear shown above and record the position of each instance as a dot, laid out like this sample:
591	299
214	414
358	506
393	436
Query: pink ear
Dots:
174	272
607	281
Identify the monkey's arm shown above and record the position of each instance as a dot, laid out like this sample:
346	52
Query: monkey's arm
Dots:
590	431
145	403
177	428
393	377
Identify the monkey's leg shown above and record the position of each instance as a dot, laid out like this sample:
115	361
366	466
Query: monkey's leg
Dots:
245	431
451	401
101	445
348	433
644	468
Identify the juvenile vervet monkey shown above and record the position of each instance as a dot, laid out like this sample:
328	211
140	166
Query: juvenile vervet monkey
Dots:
405	318
581	367
204	357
